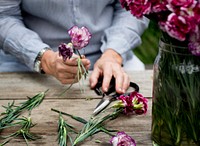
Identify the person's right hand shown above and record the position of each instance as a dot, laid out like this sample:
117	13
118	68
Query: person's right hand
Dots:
65	72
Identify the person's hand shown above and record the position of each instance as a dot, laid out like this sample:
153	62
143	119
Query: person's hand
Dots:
65	72
108	65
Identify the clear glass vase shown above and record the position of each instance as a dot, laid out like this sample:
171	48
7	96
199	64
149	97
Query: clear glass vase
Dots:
176	97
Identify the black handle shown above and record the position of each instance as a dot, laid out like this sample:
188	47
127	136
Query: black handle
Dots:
111	89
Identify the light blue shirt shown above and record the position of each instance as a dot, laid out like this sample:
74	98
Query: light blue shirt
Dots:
27	26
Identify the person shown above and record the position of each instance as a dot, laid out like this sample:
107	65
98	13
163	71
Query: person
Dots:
31	31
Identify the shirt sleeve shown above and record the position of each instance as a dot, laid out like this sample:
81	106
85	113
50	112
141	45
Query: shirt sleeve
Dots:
15	38
124	33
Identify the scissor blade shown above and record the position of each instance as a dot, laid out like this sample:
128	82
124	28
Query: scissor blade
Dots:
103	104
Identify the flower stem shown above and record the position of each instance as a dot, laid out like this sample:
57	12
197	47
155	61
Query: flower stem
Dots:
75	50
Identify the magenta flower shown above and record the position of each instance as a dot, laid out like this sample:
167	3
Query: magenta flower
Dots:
177	27
65	50
122	139
140	103
133	103
194	42
140	7
178	18
196	12
79	37
158	6
125	4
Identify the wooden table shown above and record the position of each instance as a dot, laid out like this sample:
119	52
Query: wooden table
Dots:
17	86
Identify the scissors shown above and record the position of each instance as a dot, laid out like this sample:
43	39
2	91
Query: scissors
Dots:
110	95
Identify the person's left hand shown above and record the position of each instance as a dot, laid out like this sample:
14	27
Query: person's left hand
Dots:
108	65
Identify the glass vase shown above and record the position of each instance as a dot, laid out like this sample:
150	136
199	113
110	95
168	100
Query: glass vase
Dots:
176	97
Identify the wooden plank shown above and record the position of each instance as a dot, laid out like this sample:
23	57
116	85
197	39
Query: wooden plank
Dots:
138	126
142	139
16	86
21	85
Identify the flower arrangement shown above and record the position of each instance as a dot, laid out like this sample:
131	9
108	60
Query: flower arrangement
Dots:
176	95
79	39
177	18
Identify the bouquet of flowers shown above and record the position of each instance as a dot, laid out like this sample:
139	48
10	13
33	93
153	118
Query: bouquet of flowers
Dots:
176	94
180	19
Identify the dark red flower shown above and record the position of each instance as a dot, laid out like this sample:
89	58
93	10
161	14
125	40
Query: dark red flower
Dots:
65	50
177	27
133	103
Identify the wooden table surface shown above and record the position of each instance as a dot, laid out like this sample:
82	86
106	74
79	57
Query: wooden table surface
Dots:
17	86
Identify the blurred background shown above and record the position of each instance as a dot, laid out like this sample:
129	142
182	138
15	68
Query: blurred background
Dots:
148	50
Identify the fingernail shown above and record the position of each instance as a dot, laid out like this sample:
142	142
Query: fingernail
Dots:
123	90
88	61
120	89
92	84
105	89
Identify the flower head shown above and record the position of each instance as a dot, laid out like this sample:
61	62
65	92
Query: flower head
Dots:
65	50
122	139
194	44
177	27
79	37
140	103
138	8
133	103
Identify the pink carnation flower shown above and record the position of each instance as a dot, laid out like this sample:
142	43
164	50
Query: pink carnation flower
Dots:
178	18
140	103
158	6
138	8
177	27
122	139
79	37
133	103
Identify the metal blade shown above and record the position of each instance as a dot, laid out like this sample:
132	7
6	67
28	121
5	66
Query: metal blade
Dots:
103	104
102	100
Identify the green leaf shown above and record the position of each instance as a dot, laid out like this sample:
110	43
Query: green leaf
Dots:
79	119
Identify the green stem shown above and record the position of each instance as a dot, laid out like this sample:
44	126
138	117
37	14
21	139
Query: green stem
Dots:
79	119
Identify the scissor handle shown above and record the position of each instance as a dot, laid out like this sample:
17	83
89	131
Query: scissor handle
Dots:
111	88
135	86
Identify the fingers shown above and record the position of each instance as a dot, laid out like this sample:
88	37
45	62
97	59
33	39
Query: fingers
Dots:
121	79
126	83
74	61
122	82
119	83
94	77
107	69
107	78
66	71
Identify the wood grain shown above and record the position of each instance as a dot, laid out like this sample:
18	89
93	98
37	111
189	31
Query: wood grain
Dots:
16	86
